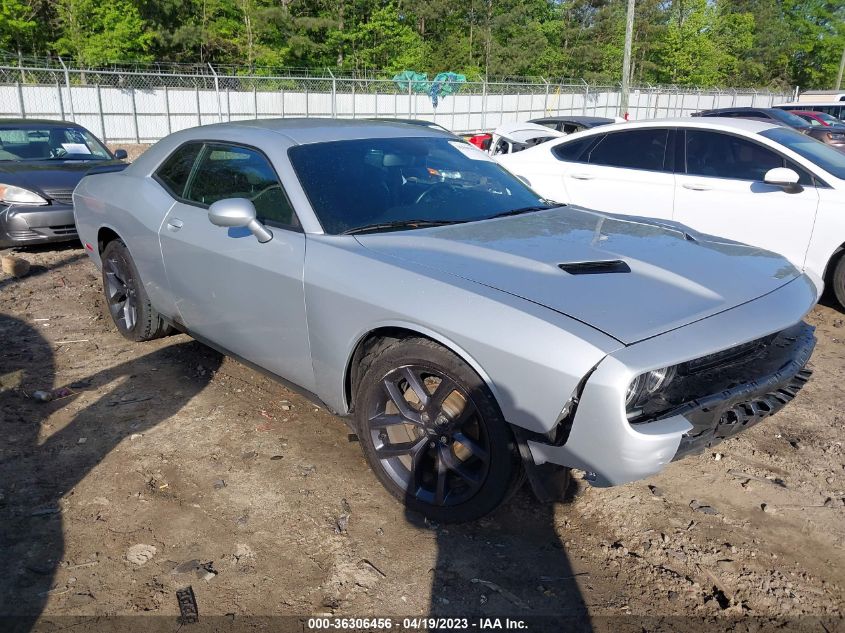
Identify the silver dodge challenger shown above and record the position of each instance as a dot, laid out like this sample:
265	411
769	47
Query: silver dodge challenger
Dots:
473	333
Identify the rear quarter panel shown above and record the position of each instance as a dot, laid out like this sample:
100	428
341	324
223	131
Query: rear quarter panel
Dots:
134	208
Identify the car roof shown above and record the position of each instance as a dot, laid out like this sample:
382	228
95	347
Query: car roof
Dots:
750	126
586	120
810	104
525	131
39	122
405	121
740	109
302	131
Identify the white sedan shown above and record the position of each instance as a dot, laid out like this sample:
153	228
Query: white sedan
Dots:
745	180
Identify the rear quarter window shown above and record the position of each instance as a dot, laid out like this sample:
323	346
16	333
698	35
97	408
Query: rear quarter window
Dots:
174	172
573	151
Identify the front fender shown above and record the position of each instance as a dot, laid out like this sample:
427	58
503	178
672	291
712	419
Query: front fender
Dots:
531	358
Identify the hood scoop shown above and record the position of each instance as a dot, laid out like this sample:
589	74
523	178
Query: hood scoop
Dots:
595	267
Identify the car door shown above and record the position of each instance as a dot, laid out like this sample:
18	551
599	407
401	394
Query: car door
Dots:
720	191
241	295
628	172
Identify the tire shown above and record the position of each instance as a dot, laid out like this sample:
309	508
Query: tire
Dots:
126	299
432	432
837	279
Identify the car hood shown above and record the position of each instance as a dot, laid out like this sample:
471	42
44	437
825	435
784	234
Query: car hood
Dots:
631	278
54	175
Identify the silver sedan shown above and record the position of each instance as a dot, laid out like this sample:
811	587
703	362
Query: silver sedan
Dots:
471	331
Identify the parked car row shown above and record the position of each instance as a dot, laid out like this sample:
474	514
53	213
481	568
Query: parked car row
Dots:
835	109
832	132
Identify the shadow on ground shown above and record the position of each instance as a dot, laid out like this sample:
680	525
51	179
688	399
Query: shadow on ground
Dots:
40	463
510	566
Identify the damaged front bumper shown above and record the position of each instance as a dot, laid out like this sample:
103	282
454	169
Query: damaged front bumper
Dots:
730	394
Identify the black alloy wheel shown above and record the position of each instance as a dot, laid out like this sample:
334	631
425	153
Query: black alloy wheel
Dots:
126	298
432	431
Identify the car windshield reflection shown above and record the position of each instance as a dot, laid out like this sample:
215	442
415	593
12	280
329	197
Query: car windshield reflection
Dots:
405	183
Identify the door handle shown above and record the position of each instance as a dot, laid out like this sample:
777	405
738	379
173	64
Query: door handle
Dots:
583	176
174	224
695	186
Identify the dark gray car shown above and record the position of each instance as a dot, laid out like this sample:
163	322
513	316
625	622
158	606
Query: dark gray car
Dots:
41	162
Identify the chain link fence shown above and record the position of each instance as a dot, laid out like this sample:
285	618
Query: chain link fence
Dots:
144	103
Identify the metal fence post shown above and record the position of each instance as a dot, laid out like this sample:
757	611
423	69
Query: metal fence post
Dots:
135	116
20	100
546	98
167	110
69	93
410	99
484	104
334	93
102	116
255	101
354	99
217	91
61	100
454	99
586	96
199	110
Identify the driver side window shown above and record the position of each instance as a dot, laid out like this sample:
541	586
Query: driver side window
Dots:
231	171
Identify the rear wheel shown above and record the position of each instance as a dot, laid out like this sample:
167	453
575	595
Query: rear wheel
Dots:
838	280
127	301
433	433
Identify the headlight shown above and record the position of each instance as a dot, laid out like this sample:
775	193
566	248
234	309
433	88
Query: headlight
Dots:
19	195
646	385
836	137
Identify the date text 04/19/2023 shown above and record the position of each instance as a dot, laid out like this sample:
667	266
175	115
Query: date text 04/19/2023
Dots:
416	623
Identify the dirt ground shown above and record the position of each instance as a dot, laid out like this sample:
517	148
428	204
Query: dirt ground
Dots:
169	465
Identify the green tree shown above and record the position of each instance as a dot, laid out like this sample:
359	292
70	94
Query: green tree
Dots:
385	41
18	24
96	32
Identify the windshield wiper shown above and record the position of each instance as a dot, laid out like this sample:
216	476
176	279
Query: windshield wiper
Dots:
399	224
522	210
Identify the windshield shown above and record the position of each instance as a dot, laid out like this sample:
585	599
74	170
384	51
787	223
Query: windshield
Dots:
424	180
788	118
830	120
49	142
829	159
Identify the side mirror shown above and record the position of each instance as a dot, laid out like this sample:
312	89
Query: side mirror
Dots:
238	212
783	177
120	154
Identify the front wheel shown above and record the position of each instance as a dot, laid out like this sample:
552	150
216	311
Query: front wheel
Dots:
128	303
433	433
